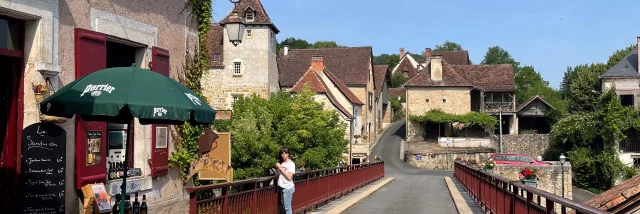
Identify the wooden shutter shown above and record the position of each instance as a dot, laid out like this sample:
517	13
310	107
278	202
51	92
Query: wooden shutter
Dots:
90	56
160	153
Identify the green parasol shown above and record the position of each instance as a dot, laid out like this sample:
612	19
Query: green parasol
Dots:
120	94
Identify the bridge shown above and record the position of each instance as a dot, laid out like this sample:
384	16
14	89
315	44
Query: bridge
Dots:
412	190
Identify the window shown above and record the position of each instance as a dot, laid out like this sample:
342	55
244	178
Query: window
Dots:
636	161
405	73
524	159
237	68
217	57
444	100
427	99
248	33
234	100
10	33
626	100
370	100
249	16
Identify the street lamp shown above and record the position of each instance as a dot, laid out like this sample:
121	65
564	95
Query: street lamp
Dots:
562	160
235	25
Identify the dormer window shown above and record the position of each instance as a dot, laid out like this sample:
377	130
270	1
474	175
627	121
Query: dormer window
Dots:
249	15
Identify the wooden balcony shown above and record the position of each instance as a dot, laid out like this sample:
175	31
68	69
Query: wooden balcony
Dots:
630	145
497	106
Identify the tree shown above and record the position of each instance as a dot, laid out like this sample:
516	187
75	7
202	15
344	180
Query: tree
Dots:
398	79
497	55
393	61
448	46
314	136
326	44
382	59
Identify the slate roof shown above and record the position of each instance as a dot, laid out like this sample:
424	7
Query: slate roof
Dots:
488	77
216	41
379	76
617	196
449	78
261	16
627	67
531	99
351	65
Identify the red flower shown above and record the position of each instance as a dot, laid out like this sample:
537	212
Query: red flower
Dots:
527	172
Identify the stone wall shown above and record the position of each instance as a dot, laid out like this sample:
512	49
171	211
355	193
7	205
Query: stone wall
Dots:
532	145
361	93
458	101
442	161
550	176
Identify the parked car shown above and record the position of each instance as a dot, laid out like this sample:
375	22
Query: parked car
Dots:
515	159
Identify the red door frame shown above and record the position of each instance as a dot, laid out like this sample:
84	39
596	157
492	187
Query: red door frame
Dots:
19	98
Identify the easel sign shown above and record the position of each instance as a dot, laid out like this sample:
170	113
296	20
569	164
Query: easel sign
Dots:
219	167
96	199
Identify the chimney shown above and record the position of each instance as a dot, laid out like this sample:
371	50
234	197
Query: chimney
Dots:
401	53
436	68
427	56
286	50
317	63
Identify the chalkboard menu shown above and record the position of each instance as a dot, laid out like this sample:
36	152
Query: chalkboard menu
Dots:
43	169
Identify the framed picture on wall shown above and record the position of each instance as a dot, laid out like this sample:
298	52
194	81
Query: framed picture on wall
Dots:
161	137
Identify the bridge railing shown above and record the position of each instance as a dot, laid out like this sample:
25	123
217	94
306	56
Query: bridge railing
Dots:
261	195
496	194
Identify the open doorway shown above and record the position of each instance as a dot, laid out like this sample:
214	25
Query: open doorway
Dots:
120	55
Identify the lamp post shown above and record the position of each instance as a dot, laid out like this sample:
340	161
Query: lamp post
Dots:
562	160
235	25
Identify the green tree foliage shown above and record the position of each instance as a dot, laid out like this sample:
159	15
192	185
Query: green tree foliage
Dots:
326	44
448	46
314	136
528	81
589	139
471	118
295	43
396	107
387	59
398	79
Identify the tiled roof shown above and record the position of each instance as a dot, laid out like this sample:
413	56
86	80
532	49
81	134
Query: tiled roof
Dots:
454	57
261	16
526	102
407	57
379	75
223	114
627	67
395	92
488	77
350	65
616	196
343	88
315	83
449	78
406	65
216	37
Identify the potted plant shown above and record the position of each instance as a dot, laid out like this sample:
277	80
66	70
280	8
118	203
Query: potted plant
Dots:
458	159
472	162
488	166
529	177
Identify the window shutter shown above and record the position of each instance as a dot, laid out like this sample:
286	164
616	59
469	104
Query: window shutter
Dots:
90	56
160	150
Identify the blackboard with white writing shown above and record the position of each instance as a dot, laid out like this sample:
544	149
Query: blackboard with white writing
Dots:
43	169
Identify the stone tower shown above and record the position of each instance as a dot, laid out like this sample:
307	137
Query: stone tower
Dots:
245	69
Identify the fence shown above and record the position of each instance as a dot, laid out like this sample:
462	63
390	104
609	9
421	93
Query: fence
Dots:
630	145
313	189
495	194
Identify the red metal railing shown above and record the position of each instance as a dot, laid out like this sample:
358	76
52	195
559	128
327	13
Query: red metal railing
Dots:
496	194
313	189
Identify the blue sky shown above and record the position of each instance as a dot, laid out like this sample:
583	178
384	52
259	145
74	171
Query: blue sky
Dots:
549	35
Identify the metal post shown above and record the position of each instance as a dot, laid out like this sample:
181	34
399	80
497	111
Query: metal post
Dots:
563	180
500	130
351	139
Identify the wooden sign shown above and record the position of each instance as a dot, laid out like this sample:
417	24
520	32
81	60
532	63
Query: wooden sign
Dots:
220	151
43	169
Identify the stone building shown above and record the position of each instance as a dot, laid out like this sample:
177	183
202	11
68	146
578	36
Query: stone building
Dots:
459	89
353	66
336	96
410	67
52	43
244	69
624	78
382	79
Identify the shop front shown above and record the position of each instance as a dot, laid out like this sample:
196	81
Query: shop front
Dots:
47	44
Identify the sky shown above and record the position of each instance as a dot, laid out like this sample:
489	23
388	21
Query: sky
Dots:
549	35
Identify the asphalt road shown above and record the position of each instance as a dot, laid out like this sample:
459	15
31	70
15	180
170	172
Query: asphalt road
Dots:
412	191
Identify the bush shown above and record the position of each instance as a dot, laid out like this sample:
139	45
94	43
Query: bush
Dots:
629	172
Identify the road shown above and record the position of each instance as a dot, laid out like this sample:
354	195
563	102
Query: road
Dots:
412	191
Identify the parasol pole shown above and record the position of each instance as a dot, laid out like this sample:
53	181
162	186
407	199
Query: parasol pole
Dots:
126	168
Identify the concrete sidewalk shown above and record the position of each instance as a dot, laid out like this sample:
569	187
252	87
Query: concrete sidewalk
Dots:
463	201
341	204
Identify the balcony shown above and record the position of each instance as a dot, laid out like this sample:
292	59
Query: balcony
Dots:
498	106
630	145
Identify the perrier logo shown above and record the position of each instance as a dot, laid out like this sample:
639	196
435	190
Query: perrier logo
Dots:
96	90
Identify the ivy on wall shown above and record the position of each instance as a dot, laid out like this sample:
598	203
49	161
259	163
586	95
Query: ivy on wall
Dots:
470	119
187	135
